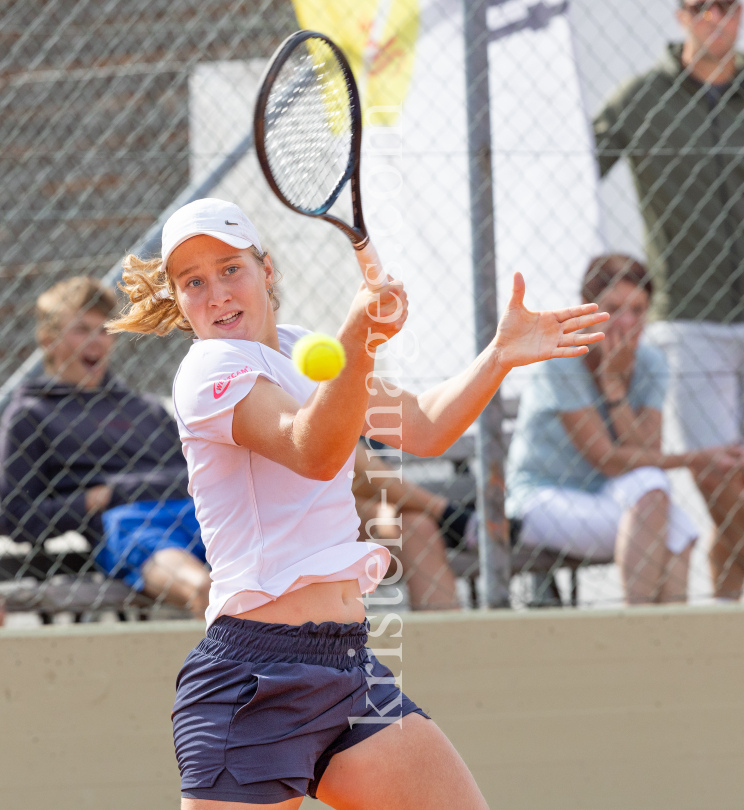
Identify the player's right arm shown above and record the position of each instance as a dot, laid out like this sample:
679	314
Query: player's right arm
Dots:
316	438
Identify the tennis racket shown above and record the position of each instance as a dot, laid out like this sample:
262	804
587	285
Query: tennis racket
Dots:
308	135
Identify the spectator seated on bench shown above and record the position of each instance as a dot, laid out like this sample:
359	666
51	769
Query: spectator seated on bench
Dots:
79	451
419	525
585	471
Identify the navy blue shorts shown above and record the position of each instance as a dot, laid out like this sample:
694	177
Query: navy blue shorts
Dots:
261	708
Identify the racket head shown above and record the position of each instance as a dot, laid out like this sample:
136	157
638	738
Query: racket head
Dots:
308	125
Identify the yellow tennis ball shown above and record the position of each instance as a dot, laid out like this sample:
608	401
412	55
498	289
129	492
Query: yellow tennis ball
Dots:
319	357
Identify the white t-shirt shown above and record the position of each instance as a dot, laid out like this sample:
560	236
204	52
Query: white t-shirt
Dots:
266	529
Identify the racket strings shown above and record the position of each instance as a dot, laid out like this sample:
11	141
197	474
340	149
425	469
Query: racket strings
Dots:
308	117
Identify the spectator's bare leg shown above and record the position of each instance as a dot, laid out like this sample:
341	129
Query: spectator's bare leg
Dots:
724	558
369	509
431	583
640	550
402	494
725	498
180	577
674	579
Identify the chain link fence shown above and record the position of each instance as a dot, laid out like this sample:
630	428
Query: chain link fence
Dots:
603	140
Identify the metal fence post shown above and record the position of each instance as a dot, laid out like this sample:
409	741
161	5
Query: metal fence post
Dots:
493	535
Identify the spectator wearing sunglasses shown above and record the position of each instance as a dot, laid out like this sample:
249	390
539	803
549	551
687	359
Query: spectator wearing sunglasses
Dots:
680	127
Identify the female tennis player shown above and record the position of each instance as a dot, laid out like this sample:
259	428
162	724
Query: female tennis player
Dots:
281	699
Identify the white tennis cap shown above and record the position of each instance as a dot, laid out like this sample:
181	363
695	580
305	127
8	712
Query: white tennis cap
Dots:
222	220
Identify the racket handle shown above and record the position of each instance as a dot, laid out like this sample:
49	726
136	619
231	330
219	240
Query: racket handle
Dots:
374	276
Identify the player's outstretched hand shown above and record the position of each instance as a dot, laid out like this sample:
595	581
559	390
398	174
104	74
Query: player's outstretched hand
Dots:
525	337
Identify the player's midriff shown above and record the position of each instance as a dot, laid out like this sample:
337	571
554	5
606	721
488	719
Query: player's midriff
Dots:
339	602
274	538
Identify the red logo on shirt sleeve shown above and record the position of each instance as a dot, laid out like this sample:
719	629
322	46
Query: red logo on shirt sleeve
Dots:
223	384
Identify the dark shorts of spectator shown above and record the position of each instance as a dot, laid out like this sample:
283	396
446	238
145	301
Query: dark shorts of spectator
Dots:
261	708
135	531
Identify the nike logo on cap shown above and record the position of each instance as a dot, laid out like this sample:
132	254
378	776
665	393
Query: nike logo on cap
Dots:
230	223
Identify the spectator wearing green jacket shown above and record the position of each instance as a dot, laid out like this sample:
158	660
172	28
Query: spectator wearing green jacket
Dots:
680	126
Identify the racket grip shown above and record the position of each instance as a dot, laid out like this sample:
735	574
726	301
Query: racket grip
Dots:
374	276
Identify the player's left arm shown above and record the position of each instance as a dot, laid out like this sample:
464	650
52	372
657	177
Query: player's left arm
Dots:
427	424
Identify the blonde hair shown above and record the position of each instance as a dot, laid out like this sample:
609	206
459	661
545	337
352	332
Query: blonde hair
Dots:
152	307
79	294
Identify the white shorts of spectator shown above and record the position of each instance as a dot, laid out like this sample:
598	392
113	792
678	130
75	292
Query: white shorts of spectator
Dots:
585	524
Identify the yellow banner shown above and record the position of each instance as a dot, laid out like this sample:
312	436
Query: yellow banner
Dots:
379	40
